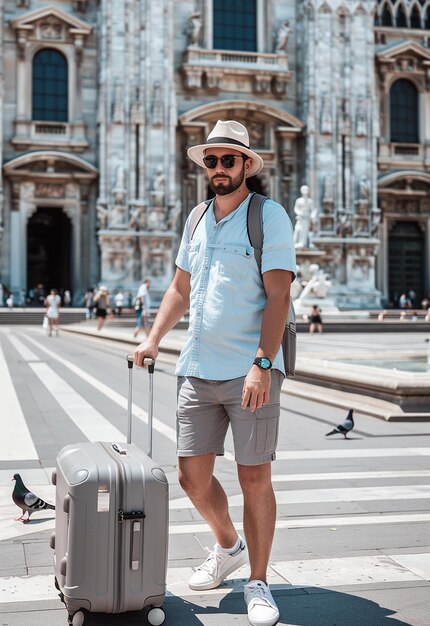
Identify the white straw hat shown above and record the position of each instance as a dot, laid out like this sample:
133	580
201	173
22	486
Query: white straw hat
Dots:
229	134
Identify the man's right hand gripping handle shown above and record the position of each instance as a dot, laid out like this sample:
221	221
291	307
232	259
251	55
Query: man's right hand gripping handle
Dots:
145	350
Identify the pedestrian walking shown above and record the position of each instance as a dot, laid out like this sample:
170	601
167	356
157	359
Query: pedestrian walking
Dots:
119	303
142	306
53	304
101	300
231	368
9	301
67	298
22	298
315	320
89	303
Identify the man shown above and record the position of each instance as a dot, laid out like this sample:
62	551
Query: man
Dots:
225	371
141	307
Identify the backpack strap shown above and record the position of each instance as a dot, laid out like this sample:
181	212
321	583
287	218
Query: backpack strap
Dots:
255	229
254	225
196	216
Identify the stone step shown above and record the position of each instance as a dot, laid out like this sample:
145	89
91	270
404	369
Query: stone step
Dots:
35	316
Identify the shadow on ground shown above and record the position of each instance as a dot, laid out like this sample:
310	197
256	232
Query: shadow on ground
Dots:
310	606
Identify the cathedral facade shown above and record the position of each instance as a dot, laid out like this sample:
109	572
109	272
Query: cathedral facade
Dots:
100	99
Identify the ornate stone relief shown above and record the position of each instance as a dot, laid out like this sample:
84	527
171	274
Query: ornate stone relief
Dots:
49	24
49	190
51	29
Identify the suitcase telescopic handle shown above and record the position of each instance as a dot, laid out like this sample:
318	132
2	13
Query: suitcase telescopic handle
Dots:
150	363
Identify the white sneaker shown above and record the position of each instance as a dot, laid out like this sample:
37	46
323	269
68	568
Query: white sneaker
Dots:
262	609
217	566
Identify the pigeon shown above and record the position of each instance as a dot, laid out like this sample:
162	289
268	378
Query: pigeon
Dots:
344	428
26	500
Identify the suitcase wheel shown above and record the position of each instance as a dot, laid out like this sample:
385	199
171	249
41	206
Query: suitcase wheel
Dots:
156	616
77	619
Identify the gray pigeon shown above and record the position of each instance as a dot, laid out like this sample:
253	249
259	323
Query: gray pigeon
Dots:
26	500
344	428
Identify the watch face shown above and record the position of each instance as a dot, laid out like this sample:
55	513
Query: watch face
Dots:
265	363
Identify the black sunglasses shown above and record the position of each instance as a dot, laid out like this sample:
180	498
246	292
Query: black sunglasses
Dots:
227	160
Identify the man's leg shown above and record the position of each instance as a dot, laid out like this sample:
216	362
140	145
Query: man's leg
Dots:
205	492
259	515
229	553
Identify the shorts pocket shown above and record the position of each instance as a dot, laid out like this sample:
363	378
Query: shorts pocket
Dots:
267	425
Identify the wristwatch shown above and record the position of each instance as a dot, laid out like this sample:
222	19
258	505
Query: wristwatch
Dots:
263	362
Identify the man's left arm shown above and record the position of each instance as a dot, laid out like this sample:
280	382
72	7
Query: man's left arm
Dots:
277	284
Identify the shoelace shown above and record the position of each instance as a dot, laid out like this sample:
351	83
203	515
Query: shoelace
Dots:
259	593
212	556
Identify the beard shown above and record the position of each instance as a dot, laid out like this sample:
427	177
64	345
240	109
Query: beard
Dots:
223	188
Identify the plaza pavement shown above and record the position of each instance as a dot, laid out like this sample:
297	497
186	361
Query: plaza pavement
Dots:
397	579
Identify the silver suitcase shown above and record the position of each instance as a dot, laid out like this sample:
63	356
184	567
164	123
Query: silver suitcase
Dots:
111	526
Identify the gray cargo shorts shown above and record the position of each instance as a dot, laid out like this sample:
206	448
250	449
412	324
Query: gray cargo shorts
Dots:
207	407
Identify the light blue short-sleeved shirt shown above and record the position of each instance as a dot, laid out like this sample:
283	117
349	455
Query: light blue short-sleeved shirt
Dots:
227	297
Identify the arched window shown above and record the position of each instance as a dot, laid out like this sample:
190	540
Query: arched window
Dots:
415	18
401	21
235	25
404	112
387	18
50	86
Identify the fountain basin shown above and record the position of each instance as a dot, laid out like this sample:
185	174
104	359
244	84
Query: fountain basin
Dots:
363	374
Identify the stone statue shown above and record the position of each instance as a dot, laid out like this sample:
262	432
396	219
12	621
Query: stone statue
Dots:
344	218
119	189
305	217
375	221
364	188
194	30
102	216
158	187
281	38
174	215
328	194
159	182
361	121
135	218
318	285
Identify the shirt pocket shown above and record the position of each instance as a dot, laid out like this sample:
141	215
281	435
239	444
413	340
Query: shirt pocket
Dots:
236	261
193	250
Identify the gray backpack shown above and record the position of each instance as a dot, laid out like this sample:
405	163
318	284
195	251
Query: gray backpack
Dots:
256	236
